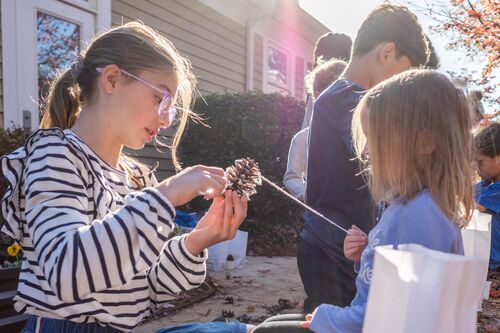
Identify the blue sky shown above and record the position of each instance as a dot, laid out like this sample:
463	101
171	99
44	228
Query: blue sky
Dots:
346	17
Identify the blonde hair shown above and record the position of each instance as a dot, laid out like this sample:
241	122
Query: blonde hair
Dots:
133	47
404	113
323	75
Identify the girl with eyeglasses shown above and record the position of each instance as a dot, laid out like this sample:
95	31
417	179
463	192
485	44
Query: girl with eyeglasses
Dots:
94	223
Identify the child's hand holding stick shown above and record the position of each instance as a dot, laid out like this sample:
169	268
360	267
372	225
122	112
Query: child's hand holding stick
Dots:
354	244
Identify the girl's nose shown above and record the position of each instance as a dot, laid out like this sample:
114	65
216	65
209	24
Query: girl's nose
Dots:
163	121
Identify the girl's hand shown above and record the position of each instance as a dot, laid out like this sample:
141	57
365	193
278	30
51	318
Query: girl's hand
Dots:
354	244
220	223
309	319
191	182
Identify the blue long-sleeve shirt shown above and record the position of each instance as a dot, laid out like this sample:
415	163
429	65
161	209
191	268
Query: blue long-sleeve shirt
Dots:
487	194
334	184
419	221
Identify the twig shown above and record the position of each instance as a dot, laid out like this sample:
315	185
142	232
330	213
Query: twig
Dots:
303	204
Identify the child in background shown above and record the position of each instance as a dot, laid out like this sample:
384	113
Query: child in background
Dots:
415	128
94	224
328	46
487	192
296	168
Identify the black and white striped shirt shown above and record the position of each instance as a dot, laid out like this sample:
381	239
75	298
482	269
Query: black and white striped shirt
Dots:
94	249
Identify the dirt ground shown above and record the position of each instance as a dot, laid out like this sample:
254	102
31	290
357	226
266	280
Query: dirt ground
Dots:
489	317
257	289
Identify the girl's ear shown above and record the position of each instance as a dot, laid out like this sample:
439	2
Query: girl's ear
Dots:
427	143
109	77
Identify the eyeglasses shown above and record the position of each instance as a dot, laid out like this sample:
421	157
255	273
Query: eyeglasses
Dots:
166	109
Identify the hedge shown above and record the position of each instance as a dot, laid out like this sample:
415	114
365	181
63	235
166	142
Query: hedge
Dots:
255	125
10	139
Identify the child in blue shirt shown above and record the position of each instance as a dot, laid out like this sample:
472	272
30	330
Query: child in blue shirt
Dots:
487	192
415	130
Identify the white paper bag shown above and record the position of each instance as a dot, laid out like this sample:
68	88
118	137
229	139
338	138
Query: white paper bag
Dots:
237	247
416	290
477	236
477	242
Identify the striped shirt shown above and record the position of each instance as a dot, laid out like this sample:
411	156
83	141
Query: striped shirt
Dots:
95	248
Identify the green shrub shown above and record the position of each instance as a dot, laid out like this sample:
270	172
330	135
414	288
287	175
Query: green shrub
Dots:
10	139
252	125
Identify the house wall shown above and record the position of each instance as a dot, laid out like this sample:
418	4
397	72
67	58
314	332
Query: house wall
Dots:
258	62
214	44
1	74
294	32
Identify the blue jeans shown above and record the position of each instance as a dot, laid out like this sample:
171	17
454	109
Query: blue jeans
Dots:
49	325
211	327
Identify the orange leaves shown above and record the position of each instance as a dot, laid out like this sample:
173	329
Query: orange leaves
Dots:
477	28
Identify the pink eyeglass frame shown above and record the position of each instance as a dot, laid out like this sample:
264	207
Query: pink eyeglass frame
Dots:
166	107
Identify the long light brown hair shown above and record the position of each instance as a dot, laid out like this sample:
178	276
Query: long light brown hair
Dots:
407	114
133	47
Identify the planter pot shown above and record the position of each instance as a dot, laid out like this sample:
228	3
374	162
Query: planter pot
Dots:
10	320
9	278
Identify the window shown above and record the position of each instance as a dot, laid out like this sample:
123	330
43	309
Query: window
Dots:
277	67
57	42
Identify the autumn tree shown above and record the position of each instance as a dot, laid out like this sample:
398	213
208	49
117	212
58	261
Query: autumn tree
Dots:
474	26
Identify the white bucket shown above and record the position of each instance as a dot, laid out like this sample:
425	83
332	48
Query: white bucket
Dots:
236	247
486	290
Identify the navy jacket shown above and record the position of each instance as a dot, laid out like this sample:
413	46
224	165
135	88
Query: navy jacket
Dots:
334	186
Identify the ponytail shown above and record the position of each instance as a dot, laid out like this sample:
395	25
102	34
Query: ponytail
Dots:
63	103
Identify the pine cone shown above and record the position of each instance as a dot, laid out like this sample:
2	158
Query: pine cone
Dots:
243	176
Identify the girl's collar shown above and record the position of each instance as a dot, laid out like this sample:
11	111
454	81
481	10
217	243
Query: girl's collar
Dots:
101	161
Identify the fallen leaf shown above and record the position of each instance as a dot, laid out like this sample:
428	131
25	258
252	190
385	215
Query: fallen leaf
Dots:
227	313
495	293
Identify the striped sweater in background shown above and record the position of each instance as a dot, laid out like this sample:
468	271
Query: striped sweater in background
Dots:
95	250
